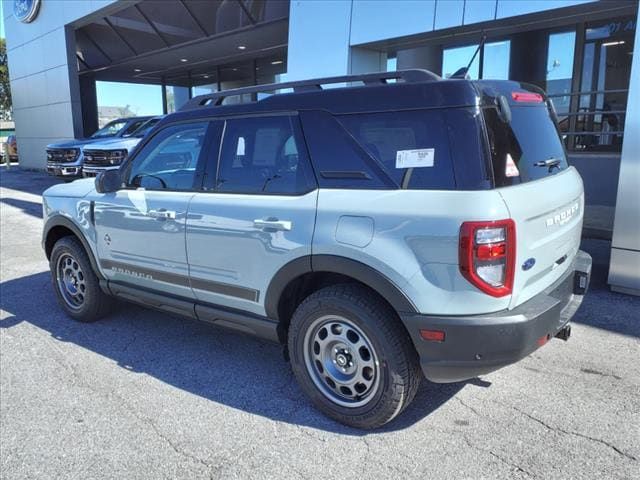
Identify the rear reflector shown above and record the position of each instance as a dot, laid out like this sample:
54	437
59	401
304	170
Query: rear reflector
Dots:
432	335
529	97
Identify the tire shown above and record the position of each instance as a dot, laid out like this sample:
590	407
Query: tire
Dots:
75	283
346	335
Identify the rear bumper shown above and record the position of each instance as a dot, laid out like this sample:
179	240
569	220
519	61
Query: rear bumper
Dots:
479	344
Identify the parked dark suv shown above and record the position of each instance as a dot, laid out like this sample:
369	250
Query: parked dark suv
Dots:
380	231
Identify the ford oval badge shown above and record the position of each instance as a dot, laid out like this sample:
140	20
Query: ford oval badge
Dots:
528	263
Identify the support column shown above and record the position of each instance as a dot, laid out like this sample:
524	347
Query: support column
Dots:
624	270
89	104
428	57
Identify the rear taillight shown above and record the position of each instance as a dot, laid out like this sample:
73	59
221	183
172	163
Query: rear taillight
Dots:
487	255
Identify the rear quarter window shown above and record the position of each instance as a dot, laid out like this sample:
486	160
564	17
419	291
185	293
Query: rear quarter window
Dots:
418	137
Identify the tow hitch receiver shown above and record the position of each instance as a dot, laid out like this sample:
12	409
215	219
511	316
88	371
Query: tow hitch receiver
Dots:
564	333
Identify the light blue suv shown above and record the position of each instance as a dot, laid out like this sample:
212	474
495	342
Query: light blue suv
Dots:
381	232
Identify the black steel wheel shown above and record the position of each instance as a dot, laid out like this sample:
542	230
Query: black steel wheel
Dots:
76	285
352	356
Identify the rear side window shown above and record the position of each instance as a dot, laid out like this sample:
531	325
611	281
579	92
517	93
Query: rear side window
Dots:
412	147
263	155
528	148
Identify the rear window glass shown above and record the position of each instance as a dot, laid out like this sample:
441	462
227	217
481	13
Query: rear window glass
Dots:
529	148
412	147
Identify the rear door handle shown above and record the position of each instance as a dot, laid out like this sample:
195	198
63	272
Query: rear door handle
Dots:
273	224
162	214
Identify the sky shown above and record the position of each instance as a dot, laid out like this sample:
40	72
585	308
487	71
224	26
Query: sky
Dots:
142	99
1	21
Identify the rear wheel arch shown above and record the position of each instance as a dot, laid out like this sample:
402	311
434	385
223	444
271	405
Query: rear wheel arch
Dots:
305	275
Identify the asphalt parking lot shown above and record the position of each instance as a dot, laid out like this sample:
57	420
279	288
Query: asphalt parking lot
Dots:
147	395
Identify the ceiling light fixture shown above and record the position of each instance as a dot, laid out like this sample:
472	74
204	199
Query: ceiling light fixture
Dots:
206	76
610	44
242	47
276	62
183	60
137	70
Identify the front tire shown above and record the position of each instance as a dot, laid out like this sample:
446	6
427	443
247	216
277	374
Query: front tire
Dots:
76	285
352	356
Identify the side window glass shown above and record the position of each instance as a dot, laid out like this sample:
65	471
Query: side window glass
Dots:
261	155
411	146
169	160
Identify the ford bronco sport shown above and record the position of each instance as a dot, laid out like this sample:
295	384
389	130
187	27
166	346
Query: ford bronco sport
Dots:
380	231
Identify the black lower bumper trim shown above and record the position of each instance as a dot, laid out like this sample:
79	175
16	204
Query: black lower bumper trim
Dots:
479	344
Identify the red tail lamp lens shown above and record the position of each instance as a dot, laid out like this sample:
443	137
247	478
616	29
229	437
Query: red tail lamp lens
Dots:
487	255
491	251
528	97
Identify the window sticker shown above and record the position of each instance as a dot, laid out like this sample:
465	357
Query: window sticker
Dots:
511	170
422	157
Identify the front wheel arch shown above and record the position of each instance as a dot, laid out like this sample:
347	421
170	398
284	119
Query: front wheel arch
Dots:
59	227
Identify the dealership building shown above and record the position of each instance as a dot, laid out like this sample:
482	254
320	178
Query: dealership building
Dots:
580	51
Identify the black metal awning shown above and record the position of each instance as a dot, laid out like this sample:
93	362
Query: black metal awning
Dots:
186	42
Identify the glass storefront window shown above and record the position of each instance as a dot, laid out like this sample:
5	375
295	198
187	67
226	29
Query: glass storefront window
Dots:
176	98
606	69
392	64
495	62
453	59
204	89
560	55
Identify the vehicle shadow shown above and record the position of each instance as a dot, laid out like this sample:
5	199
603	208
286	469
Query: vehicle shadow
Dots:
33	182
222	366
32	208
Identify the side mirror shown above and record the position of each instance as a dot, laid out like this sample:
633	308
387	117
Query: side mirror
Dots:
108	181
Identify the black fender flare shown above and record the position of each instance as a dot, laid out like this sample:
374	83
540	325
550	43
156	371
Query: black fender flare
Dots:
335	264
60	221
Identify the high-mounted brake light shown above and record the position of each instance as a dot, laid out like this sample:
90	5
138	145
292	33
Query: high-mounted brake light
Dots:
529	97
487	255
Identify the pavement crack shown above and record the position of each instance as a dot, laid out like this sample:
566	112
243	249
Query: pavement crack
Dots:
591	371
498	457
469	407
511	464
577	434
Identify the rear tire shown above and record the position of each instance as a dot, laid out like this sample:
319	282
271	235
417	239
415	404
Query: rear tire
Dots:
352	356
76	285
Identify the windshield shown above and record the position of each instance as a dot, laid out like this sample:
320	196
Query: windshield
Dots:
111	129
133	127
145	127
526	149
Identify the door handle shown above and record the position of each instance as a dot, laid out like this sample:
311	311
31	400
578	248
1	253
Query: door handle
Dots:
273	224
162	214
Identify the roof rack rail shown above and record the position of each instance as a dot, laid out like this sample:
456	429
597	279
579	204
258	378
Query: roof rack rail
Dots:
381	78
